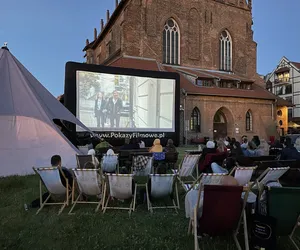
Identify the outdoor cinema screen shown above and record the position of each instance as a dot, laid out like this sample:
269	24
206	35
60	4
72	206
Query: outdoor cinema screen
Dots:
114	102
111	100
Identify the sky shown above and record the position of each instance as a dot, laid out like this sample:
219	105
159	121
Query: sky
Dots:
44	35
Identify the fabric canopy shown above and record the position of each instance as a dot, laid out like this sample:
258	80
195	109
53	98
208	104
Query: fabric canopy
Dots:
28	134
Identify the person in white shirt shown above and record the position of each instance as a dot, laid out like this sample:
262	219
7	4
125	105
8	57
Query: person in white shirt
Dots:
100	109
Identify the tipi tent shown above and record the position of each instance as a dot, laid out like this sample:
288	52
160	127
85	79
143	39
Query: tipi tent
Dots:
28	135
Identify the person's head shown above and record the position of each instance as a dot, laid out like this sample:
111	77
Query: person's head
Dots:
287	142
124	170
161	169
100	95
210	144
256	140
170	143
56	160
229	181
245	140
244	137
156	142
115	94
91	152
251	145
221	145
89	165
233	140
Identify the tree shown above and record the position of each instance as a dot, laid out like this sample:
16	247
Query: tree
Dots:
88	81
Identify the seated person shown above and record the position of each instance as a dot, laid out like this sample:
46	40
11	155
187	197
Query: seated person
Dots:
93	152
221	147
130	145
226	167
170	147
289	152
109	162
263	148
102	144
89	165
141	143
156	148
55	162
251	150
209	149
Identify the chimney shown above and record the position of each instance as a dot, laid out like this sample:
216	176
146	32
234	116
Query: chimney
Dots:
87	42
102	24
107	16
95	33
117	3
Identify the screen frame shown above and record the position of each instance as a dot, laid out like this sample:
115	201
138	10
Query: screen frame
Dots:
70	93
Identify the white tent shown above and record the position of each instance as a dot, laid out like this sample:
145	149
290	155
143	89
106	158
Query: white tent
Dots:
28	135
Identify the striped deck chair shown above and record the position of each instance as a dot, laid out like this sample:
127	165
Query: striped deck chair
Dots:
243	174
83	159
89	182
50	177
269	175
186	170
222	213
162	185
109	163
284	205
120	187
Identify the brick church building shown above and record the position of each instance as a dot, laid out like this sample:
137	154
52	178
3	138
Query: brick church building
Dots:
210	44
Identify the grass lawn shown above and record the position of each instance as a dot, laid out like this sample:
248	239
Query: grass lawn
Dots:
20	229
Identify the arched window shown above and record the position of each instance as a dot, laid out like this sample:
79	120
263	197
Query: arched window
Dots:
248	121
195	122
171	42
225	51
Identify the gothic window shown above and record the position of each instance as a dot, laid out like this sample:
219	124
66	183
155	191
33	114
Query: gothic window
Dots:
171	42
248	121
225	51
195	122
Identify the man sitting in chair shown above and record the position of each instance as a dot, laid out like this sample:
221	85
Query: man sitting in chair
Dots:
55	162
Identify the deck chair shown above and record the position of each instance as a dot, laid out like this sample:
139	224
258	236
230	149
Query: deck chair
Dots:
109	163
222	213
162	185
204	179
186	170
243	174
50	177
89	183
83	159
284	205
269	175
120	187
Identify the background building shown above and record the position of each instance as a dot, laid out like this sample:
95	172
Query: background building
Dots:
284	82
210	44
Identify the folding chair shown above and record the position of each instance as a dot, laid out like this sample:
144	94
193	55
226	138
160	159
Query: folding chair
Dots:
186	170
89	183
204	179
269	175
120	187
284	205
109	163
50	177
243	174
83	159
222	213
162	185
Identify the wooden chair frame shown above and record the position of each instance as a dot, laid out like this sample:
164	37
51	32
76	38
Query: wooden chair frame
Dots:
68	189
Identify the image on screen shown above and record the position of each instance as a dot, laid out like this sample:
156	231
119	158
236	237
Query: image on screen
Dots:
111	102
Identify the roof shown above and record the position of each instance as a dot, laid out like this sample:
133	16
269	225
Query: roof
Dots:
296	64
282	70
135	63
108	25
282	102
257	92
